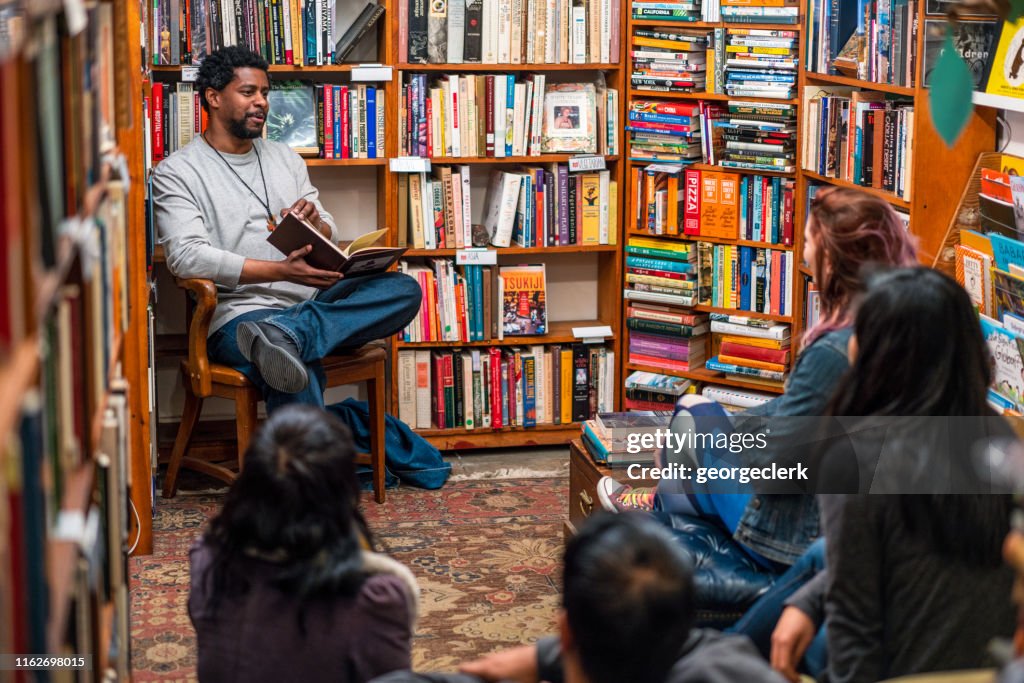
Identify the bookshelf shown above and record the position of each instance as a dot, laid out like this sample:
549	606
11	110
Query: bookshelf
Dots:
74	413
582	279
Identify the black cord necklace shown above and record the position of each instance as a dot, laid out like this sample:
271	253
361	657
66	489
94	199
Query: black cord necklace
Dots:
271	222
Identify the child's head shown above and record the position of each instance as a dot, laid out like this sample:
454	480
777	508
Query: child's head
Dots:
918	349
846	229
296	502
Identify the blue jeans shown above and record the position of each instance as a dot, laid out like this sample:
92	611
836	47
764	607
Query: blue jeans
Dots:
759	621
352	312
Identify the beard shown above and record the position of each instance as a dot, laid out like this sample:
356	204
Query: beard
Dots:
240	130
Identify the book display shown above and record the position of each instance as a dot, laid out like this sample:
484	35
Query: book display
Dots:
73	352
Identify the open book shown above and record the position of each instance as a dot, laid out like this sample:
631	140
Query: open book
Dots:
359	257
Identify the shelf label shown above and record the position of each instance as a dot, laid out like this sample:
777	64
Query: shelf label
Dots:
371	72
586	163
476	256
595	334
189	74
410	165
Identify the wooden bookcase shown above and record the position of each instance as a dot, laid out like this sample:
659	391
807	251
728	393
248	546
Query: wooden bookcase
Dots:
938	175
74	411
561	320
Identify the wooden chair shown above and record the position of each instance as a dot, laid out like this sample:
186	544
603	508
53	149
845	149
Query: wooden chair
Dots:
202	379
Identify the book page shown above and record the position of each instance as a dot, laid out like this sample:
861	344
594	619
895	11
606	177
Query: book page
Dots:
364	241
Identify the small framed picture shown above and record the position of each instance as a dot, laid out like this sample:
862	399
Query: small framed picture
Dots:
570	118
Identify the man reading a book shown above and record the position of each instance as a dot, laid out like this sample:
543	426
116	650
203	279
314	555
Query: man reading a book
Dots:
216	200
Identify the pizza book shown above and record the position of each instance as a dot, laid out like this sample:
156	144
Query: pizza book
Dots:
362	256
523	301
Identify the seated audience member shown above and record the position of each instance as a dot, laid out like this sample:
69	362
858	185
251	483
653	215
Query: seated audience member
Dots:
913	582
627	616
282	589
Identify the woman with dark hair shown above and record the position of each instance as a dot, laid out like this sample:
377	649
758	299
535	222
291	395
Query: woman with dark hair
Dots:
914	581
282	587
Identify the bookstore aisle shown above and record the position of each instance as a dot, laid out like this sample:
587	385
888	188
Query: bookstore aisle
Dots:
602	203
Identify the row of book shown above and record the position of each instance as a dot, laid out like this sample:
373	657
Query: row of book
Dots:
300	32
322	120
509	31
672	201
661	271
504	115
500	387
755	136
875	40
736	11
529	206
471	303
669	59
665	131
746	278
859	136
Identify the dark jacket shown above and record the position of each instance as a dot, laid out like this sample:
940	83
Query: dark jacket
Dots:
781	527
257	636
707	657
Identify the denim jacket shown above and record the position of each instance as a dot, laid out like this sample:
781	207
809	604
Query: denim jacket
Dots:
780	527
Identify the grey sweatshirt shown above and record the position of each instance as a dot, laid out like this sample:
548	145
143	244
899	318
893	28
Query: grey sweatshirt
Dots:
209	223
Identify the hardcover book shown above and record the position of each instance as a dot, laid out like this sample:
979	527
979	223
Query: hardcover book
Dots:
973	41
524	304
360	257
1006	71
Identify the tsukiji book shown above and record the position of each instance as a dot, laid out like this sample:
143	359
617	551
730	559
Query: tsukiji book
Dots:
524	300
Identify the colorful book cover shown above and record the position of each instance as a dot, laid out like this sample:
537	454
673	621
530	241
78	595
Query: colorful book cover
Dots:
1006	74
1009	369
524	304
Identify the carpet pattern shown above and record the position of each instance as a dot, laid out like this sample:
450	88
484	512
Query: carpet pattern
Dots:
486	555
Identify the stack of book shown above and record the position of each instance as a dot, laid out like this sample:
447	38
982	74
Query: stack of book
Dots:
669	60
859	136
660	272
504	115
665	337
504	387
612	438
757	136
653	391
508	32
527	206
761	63
672	10
735	400
745	278
750	349
760	11
664	131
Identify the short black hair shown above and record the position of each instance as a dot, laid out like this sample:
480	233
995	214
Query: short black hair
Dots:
218	69
628	598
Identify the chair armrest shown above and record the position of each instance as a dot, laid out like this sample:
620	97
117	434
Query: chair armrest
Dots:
205	294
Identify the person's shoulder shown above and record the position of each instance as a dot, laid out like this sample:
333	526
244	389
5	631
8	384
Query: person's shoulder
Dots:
714	657
833	342
389	585
182	161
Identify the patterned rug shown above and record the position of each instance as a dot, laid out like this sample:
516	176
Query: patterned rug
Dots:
486	554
